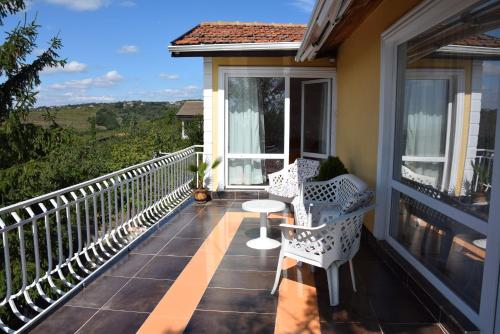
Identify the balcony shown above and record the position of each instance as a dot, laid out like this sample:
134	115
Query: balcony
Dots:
130	252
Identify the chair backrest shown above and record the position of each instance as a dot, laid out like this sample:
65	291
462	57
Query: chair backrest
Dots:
336	239
337	190
294	176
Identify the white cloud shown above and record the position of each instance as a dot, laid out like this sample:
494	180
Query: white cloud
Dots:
80	5
169	76
128	49
71	67
107	80
127	3
71	98
187	92
304	5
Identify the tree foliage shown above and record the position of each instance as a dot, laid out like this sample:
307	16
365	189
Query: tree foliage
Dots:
21	77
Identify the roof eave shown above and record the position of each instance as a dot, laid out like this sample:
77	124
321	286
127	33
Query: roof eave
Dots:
232	47
325	16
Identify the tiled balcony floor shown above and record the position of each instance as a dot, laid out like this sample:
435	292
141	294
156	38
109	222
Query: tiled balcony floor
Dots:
237	298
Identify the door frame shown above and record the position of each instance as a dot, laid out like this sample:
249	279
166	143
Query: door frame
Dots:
224	72
329	116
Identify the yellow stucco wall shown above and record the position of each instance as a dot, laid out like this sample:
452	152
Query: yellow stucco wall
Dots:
358	91
247	61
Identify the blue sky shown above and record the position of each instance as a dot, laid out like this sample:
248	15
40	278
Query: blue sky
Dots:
117	49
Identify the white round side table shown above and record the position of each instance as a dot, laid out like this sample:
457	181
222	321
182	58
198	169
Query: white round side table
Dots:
264	207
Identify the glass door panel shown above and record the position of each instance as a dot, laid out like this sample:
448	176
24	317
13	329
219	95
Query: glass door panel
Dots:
316	110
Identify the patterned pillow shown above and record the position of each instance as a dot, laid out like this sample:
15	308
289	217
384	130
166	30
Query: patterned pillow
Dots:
317	209
357	201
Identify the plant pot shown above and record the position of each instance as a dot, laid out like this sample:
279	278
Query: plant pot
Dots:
479	198
201	195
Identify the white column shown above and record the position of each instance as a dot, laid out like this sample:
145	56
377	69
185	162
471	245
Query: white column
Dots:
207	113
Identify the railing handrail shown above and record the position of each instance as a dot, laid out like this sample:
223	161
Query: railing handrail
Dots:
62	191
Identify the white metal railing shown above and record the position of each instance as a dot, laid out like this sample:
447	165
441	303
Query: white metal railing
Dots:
54	243
484	159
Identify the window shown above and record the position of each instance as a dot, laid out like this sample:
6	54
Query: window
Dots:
441	112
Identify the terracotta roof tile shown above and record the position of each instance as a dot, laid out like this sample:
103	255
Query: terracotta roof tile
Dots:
480	40
240	32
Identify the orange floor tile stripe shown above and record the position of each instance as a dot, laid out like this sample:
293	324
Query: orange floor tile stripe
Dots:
297	302
174	310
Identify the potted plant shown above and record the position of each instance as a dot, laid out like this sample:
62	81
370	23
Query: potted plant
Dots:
480	196
331	168
200	193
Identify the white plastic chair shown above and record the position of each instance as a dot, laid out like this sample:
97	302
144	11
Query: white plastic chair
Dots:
286	183
340	195
327	246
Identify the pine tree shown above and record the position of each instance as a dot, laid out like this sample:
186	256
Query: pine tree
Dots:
21	77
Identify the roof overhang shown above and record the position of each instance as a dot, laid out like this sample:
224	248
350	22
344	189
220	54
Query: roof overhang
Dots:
325	16
331	23
285	48
470	50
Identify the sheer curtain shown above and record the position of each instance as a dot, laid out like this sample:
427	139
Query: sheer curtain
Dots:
246	130
426	115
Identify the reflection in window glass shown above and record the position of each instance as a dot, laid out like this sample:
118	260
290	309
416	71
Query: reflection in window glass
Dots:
451	251
252	172
256	109
447	102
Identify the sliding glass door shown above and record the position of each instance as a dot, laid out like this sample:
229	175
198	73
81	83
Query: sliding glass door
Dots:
257	120
255	129
315	117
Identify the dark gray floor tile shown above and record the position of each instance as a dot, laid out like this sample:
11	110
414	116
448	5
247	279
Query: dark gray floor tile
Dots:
114	322
243	279
412	329
182	247
151	245
67	319
129	265
98	292
164	267
228	322
252	263
350	327
259	301
140	295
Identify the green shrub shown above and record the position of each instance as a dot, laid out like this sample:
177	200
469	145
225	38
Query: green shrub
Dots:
330	168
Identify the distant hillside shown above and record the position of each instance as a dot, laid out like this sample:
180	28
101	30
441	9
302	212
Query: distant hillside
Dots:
107	116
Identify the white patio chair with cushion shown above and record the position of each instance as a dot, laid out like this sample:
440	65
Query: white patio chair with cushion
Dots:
340	195
334	242
286	183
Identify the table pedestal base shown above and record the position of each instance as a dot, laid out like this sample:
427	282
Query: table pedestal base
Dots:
263	242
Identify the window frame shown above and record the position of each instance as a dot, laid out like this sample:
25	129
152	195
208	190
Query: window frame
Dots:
427	14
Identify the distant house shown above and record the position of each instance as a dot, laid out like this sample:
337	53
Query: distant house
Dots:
189	111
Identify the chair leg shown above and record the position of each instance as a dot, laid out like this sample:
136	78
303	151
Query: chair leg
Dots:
353	279
278	274
332	274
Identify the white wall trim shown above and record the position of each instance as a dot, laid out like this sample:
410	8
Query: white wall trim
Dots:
207	113
279	46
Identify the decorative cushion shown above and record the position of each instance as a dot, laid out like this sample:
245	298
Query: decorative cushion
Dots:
357	201
318	209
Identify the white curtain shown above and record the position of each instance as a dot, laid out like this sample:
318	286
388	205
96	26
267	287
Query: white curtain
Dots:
426	115
246	130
